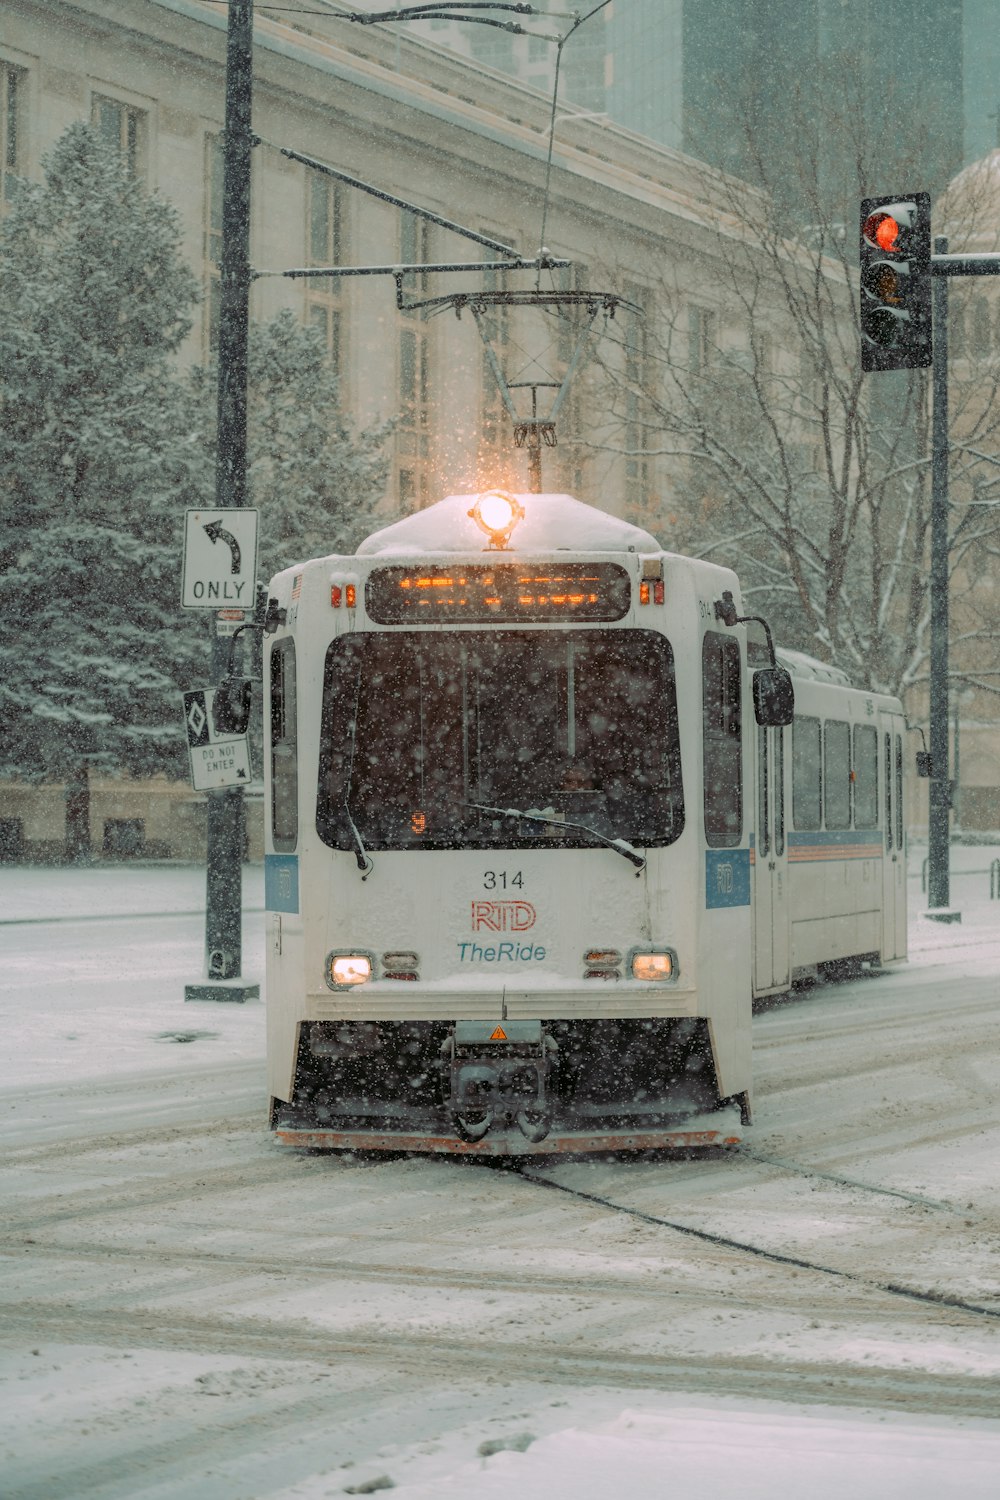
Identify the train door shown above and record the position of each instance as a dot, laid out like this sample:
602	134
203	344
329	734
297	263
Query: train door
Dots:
893	848
770	868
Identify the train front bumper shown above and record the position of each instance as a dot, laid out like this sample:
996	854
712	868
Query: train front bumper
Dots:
719	1128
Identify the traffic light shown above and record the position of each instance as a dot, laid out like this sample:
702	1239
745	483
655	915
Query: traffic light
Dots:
896	282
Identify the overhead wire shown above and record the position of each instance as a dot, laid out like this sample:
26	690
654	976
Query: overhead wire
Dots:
580	21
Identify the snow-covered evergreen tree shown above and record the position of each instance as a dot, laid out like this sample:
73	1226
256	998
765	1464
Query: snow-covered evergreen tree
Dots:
99	454
317	480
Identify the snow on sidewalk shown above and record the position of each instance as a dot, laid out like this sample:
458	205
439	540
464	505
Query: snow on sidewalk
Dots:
93	968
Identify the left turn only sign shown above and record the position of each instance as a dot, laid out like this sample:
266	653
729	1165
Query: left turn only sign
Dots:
216	760
220	559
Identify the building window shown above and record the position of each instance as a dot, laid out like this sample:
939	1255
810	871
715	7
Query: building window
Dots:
494	432
326	240
638	384
212	264
124	838
12	144
571	422
415	250
124	129
411	432
412	439
702	339
494	51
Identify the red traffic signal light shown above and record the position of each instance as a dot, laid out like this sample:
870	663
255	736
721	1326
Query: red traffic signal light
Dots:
896	282
881	230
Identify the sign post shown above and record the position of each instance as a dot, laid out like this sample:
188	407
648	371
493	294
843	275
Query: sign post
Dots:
226	820
216	759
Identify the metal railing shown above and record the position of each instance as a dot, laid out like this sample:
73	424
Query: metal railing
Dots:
993	872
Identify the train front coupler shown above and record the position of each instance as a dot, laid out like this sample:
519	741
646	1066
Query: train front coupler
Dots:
497	1074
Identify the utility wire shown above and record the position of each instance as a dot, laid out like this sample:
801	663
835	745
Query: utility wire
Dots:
580	21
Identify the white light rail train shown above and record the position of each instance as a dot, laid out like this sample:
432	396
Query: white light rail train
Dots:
538	832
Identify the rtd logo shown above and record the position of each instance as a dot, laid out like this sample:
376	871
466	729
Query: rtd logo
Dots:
502	916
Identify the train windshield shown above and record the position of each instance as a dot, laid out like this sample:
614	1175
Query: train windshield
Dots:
428	739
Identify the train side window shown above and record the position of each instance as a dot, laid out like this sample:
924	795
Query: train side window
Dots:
837	773
807	770
763	794
284	749
899	792
865	776
723	739
888	791
779	791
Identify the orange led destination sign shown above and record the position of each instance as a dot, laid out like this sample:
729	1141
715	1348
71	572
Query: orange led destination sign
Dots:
479	592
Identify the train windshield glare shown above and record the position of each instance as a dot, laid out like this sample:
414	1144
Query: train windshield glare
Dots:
578	725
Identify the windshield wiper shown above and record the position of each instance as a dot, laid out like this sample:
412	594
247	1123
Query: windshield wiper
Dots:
618	845
365	862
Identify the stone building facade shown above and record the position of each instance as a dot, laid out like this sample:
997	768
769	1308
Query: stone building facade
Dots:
423	126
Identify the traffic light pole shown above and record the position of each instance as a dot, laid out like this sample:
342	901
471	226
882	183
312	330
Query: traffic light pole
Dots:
938	873
943	265
226	815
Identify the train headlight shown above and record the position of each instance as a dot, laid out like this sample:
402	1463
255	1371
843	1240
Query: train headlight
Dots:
654	966
345	970
497	513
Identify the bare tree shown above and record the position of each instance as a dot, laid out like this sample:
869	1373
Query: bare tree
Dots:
783	459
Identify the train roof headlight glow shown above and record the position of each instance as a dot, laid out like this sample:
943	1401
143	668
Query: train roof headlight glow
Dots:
345	970
497	513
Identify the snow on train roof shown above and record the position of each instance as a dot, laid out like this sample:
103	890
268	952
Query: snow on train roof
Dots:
808	666
550	522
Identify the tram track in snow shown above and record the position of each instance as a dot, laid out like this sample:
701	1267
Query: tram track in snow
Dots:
38	1232
276	1165
747	1153
220	1267
888	1287
437	1356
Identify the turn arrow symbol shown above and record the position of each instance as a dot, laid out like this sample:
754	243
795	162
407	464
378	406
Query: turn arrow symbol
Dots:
216	533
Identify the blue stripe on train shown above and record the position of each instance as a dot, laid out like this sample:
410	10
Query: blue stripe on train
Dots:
845	836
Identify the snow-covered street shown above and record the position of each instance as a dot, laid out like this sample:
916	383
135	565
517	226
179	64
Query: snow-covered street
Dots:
190	1310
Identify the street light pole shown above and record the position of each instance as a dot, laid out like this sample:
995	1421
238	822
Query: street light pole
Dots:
226	814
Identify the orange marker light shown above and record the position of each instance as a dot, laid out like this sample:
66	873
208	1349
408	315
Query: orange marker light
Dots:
351	595
418	822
